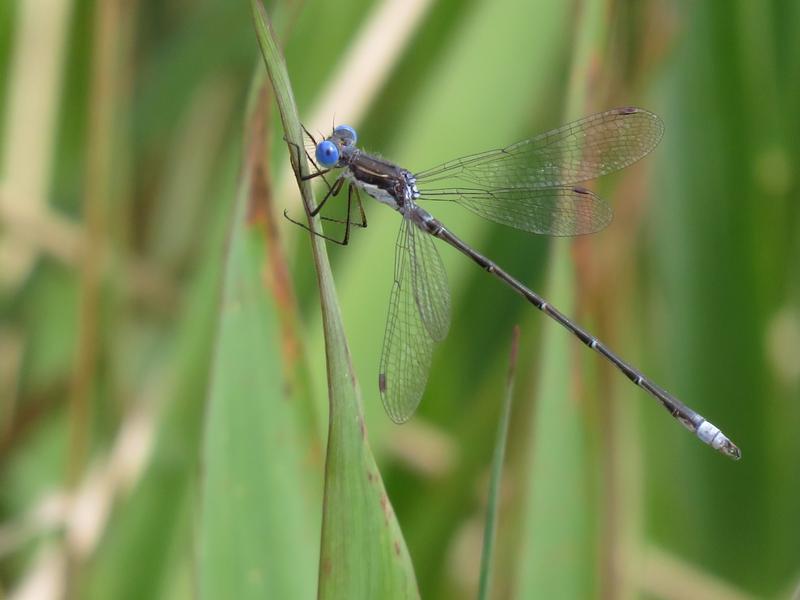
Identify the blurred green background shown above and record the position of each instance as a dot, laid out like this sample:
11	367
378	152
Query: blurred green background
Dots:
124	134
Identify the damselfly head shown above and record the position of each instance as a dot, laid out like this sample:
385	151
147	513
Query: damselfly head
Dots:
329	151
346	134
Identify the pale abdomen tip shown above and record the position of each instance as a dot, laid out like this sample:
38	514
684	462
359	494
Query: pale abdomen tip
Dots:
711	435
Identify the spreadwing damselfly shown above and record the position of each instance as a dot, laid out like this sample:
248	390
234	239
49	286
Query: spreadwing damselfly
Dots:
533	185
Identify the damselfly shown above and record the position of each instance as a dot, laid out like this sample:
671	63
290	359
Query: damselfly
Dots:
533	185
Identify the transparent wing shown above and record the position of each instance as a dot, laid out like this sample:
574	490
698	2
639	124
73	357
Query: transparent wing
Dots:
579	151
419	315
549	211
429	284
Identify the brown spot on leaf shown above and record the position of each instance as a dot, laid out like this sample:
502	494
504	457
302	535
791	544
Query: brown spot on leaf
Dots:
387	507
256	161
260	215
326	567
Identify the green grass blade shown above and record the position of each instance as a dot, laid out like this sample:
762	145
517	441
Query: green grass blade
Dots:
258	531
496	476
150	535
363	553
556	557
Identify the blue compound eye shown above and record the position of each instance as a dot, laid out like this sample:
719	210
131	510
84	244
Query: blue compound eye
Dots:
327	153
346	132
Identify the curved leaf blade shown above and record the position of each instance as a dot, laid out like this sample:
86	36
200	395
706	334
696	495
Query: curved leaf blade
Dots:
363	553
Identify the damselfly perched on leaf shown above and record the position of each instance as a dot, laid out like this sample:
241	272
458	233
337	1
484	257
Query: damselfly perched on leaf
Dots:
533	185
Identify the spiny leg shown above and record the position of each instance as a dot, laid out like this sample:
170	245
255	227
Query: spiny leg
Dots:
347	218
363	223
335	189
319	172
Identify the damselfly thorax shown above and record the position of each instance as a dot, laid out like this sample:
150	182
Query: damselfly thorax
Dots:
381	179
